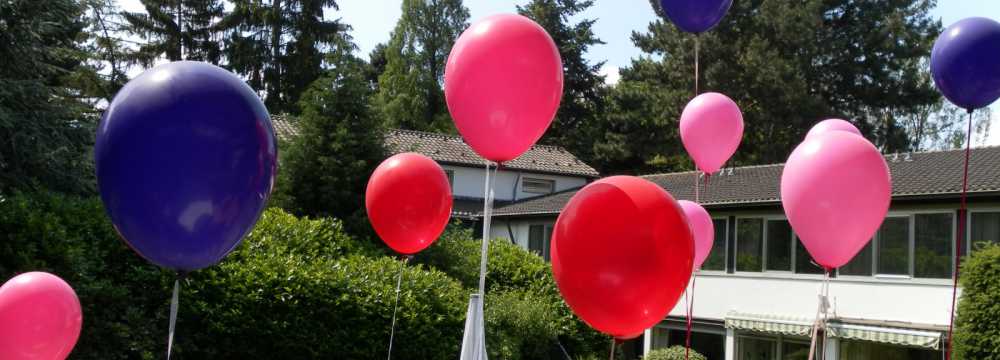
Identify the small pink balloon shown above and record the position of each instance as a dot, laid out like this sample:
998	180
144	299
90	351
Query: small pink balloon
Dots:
40	317
828	125
835	189
711	130
702	229
503	84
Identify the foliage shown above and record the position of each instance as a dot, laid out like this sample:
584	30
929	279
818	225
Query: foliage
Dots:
584	92
673	353
977	332
521	298
787	65
409	89
176	29
280	46
339	145
46	133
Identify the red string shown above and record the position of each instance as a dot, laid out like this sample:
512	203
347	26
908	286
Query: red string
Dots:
961	232
690	315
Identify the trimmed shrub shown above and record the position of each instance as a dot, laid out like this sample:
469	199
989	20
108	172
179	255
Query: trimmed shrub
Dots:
977	333
673	353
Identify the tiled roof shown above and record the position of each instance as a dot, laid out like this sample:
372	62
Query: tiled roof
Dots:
450	149
913	174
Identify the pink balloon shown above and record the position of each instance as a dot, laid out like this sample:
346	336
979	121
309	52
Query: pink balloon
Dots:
825	126
835	189
702	229
40	317
503	83
711	129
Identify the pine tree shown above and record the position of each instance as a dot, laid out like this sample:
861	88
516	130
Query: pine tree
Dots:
584	90
410	93
280	46
177	30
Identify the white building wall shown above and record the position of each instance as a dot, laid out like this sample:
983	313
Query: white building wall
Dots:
468	182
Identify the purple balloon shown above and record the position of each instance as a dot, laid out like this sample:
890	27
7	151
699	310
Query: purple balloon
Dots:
965	62
695	16
186	158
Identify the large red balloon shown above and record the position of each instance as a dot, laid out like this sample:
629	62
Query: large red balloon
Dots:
503	83
622	254
409	202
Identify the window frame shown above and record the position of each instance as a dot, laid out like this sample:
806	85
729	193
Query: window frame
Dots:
725	248
451	178
736	243
967	241
524	188
791	250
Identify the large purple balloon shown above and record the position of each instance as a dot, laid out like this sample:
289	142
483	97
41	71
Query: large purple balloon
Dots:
695	16
965	62
185	159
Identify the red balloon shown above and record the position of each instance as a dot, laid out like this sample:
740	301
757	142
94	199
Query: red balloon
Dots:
622	254
503	83
408	201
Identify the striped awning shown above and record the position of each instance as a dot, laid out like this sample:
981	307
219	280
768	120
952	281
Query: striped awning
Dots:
884	334
767	323
837	328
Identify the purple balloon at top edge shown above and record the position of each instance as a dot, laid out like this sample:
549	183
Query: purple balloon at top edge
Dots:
186	159
695	16
965	62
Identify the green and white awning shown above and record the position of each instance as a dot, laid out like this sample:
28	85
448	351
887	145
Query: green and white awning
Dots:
836	328
884	334
775	324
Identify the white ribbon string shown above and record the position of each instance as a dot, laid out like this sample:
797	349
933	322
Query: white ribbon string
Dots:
395	306
173	316
821	312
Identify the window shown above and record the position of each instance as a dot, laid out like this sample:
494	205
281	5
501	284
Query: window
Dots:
716	260
712	345
779	245
867	350
932	245
751	348
893	240
537	186
861	264
984	229
539	237
804	262
749	244
451	178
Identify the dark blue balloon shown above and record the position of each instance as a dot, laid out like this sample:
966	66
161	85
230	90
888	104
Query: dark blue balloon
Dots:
695	16
965	62
186	158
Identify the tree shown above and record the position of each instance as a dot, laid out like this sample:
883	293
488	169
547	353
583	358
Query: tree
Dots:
787	66
45	130
109	54
340	143
177	30
584	92
280	46
410	94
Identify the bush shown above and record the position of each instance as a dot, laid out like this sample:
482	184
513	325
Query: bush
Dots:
521	299
977	333
673	353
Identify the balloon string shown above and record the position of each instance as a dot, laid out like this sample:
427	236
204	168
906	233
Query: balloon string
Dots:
696	46
173	314
690	316
487	218
395	306
697	175
961	233
613	342
824	291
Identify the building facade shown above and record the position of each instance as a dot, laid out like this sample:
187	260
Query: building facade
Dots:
756	297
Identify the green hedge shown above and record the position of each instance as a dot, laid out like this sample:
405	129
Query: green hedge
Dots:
977	333
673	353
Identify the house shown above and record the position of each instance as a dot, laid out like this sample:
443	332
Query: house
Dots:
757	294
542	170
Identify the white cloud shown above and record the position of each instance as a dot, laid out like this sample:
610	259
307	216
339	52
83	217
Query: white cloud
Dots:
611	75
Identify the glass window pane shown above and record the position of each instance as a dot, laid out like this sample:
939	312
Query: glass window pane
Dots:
866	350
660	338
985	229
894	246
548	242
861	264
933	241
794	350
779	245
536	238
803	261
717	257
757	349
749	244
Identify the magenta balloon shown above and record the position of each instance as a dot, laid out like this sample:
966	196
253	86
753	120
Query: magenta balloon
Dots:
835	189
503	83
825	126
40	317
702	229
711	130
